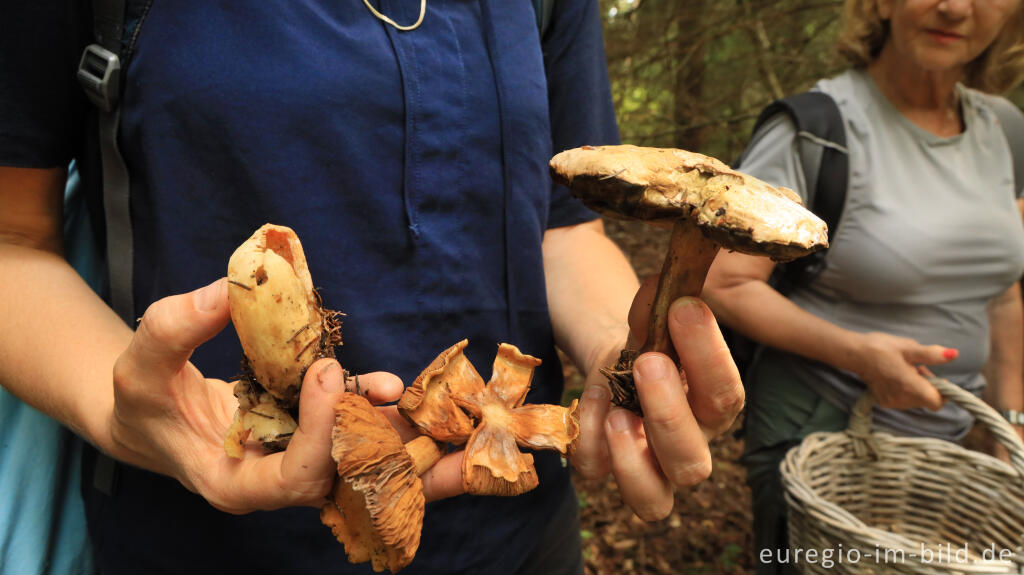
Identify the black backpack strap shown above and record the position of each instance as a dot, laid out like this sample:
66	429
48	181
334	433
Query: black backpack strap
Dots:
825	163
1012	120
100	72
821	144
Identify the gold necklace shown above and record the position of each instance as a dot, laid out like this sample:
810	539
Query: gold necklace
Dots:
384	18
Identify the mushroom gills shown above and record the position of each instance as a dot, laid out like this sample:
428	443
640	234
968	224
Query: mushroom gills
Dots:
378	505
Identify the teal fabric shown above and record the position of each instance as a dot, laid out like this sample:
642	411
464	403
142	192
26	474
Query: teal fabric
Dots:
42	517
781	411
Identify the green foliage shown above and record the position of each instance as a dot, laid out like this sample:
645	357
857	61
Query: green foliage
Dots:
581	499
695	74
730	556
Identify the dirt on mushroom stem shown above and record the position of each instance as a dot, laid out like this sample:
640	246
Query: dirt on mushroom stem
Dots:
689	257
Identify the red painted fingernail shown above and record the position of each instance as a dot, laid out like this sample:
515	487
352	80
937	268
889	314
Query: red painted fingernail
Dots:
950	353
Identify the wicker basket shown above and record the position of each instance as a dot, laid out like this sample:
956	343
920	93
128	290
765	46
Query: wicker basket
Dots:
878	503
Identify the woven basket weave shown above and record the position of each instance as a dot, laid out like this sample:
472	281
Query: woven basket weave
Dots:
878	503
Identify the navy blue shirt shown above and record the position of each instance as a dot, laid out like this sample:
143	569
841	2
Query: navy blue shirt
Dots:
413	166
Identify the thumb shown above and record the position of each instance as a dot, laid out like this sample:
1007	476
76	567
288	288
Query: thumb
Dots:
173	327
307	467
933	399
930	354
930	396
307	458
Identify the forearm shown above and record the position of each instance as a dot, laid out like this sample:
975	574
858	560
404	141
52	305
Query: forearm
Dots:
58	341
761	313
590	286
1004	370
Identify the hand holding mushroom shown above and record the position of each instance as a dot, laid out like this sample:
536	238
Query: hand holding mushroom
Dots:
170	419
708	205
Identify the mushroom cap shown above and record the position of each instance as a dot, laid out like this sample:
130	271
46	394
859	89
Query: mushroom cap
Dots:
427	403
277	314
738	211
378	505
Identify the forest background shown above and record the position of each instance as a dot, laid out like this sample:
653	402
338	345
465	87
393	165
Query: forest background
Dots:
695	74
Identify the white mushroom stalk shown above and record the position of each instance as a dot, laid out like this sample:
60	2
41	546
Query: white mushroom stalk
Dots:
283	329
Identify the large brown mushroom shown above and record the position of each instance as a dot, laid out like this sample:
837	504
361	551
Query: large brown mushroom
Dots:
378	504
450	402
708	205
283	329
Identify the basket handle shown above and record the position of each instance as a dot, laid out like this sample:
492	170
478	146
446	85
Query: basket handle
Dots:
860	419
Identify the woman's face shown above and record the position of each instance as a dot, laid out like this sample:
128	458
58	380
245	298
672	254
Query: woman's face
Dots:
944	35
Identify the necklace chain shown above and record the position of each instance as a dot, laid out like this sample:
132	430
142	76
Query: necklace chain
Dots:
385	19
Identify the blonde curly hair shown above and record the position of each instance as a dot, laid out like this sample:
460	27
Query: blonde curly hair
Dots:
997	70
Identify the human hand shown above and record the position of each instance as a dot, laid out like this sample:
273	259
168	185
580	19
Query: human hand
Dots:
169	418
683	410
894	370
993	447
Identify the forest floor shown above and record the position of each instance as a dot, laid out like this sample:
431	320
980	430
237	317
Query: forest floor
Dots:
708	531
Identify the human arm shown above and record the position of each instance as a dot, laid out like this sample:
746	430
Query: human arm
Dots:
1004	371
134	395
590	288
737	290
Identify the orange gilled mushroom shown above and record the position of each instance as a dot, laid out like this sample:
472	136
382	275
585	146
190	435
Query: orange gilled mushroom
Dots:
427	403
493	463
378	504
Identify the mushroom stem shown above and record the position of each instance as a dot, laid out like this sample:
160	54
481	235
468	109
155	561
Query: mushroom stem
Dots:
686	266
424	453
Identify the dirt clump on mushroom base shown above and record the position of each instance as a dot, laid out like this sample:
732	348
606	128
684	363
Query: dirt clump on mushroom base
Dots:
283	328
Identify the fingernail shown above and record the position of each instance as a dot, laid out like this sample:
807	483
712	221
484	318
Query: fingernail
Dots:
596	394
619	421
331	378
687	311
950	353
651	367
209	297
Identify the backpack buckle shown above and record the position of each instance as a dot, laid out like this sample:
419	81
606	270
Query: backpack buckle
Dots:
99	73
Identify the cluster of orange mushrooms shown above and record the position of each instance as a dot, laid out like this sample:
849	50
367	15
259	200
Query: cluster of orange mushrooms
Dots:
376	508
377	505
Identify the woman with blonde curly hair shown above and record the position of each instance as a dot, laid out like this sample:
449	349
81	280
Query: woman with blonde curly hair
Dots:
921	277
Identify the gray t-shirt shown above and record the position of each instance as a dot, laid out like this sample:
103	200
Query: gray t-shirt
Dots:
930	233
